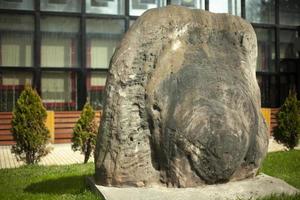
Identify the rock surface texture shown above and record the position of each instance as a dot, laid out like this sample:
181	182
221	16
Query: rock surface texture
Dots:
182	104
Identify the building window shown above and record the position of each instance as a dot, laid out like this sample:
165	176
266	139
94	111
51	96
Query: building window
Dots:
225	6
59	90
61	5
114	7
260	11
17	4
138	7
287	83
274	92
266	50
289	12
60	42
288	39
200	4
289	54
102	39
263	82
95	89
16	40
11	86
131	22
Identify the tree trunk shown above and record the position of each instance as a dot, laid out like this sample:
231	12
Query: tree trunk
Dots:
88	151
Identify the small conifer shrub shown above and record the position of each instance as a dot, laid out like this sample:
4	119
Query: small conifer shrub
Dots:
288	119
28	127
85	132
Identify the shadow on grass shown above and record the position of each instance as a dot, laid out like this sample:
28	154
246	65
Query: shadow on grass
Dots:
63	185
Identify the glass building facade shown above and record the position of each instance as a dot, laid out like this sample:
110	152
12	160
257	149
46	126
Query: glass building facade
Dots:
63	47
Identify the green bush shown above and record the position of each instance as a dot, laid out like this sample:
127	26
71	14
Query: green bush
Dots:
85	132
288	119
28	127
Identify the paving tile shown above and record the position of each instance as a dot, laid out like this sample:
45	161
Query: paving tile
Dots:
62	154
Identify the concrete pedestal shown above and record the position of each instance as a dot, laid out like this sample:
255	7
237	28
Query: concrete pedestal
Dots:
259	186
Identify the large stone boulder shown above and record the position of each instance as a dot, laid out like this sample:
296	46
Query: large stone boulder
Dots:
182	104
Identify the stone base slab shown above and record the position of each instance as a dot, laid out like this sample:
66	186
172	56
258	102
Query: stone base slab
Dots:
260	186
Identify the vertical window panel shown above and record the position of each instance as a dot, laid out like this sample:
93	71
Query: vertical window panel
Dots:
102	38
289	54
289	12
260	11
263	82
225	6
199	4
115	7
266	50
16	40
61	5
287	83
274	92
288	44
11	86
59	90
60	44
138	7
17	4
95	89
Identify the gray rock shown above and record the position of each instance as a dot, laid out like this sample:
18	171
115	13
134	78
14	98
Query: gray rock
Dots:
182	104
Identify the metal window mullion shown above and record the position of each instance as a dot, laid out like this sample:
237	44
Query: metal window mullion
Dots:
82	73
127	16
243	7
37	48
206	4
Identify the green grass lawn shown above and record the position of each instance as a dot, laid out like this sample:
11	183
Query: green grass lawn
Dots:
286	166
39	182
68	182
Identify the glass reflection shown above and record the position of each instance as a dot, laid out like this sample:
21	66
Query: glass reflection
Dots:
200	4
225	6
138	7
115	7
289	12
266	49
261	11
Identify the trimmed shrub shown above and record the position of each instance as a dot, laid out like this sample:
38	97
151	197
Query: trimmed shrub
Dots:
85	132
288	119
28	127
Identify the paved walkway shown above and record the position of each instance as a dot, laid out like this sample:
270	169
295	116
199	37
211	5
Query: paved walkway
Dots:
62	154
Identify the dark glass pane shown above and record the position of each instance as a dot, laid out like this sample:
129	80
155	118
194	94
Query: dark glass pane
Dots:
274	92
289	12
95	89
60	42
260	11
16	40
200	4
263	82
11	86
115	7
102	39
287	83
61	5
288	51
225	6
17	4
138	7
59	90
266	49
131	22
